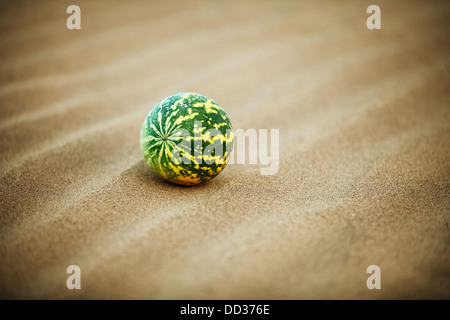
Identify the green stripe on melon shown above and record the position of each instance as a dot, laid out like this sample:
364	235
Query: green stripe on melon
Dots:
162	133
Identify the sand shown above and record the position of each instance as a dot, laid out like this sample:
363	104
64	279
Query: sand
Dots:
364	170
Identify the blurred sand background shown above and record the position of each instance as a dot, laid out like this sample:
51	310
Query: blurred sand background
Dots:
364	177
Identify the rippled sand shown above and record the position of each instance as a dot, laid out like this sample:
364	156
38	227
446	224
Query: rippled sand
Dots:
364	119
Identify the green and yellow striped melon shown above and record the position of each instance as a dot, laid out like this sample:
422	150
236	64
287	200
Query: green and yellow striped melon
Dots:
187	139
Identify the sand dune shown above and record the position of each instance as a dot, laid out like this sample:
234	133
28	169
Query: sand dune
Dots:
364	150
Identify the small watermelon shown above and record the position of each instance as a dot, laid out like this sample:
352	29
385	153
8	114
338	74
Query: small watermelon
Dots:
187	139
